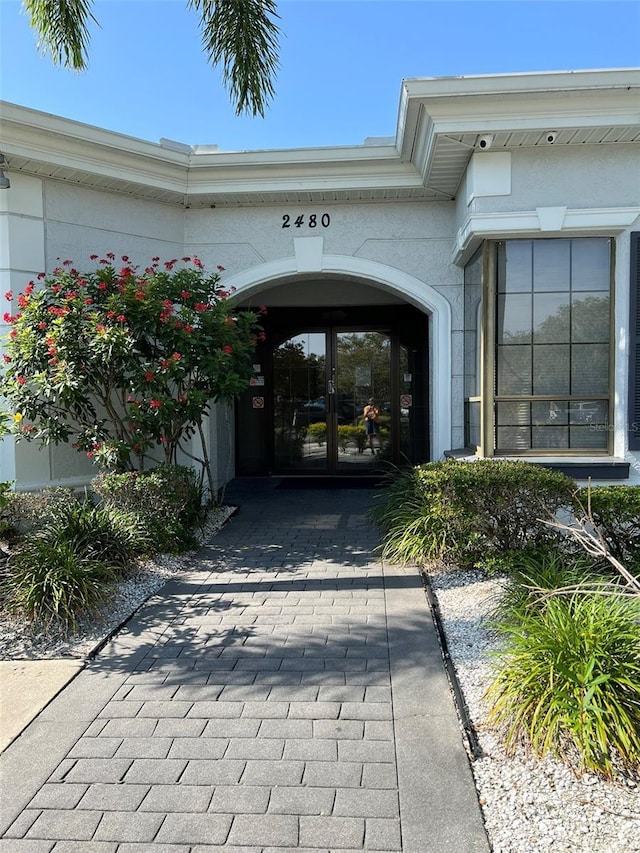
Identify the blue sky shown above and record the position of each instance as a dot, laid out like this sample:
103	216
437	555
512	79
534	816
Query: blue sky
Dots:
341	64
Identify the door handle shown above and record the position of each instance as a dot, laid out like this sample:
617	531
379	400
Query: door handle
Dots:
332	386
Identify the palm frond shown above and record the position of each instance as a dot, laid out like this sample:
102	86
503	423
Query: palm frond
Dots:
242	37
62	27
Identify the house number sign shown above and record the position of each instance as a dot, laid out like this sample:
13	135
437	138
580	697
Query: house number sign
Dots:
311	220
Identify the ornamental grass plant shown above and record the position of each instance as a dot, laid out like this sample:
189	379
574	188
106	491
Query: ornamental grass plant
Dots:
105	534
567	681
53	584
530	576
66	565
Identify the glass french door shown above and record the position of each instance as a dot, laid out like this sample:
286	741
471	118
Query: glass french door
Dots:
322	381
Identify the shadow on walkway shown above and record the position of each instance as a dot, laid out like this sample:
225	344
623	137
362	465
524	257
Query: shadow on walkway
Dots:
286	692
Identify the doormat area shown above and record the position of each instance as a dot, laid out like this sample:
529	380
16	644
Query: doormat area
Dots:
329	483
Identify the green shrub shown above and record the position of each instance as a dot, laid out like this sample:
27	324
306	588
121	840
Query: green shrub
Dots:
26	510
318	432
52	584
5	497
568	681
167	501
616	511
361	439
348	433
414	529
467	513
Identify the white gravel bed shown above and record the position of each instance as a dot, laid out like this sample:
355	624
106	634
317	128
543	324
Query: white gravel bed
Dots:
529	806
18	641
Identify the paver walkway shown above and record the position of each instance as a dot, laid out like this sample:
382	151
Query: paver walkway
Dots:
285	693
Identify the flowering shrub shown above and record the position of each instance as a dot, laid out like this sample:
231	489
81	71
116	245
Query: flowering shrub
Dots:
122	362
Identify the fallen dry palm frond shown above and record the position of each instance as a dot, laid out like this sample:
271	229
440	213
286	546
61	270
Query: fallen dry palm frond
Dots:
585	531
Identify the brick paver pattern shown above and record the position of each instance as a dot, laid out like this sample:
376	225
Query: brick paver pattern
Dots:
261	718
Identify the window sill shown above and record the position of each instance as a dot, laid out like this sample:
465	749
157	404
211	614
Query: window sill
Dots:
576	467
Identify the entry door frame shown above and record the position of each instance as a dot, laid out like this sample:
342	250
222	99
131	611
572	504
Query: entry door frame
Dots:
331	332
408	328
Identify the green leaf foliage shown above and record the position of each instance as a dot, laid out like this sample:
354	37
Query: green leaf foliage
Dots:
468	513
532	574
167	502
108	535
63	29
53	585
123	363
568	681
616	512
242	37
239	35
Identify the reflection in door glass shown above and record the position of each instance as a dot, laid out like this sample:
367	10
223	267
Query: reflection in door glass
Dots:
363	399
299	403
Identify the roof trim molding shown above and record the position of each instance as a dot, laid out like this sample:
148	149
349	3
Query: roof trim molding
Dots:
432	112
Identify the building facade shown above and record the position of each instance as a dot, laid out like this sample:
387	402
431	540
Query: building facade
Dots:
477	275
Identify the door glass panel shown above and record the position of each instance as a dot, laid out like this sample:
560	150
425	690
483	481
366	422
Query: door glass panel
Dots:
406	404
299	403
362	373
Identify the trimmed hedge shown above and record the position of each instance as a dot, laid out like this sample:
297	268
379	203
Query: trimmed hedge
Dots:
167	501
467	513
616	511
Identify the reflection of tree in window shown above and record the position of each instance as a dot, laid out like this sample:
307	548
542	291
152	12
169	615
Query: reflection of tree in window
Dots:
357	350
552	339
296	374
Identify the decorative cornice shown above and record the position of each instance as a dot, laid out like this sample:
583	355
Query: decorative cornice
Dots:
542	220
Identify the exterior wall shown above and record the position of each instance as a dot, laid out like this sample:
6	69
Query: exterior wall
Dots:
83	222
22	236
594	176
385	252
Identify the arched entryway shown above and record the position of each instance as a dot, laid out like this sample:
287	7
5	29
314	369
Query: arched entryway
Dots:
333	340
316	372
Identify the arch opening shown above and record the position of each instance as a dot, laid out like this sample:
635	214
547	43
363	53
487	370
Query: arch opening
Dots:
322	327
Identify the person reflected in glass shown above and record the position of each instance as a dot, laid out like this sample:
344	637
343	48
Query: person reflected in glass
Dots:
372	429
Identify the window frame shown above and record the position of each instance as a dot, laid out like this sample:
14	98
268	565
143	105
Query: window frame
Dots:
488	364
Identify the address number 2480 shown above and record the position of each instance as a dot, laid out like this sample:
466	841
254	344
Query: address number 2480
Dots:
311	221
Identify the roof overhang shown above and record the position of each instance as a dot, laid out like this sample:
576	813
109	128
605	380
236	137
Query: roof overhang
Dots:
440	123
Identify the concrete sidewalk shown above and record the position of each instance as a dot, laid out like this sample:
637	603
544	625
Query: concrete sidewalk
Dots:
286	693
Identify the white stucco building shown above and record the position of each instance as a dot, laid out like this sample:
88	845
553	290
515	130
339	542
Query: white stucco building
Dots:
478	275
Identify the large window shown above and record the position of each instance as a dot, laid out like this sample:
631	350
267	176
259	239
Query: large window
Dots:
548	364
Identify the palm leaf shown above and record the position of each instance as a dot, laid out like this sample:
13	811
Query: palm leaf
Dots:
241	36
63	29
